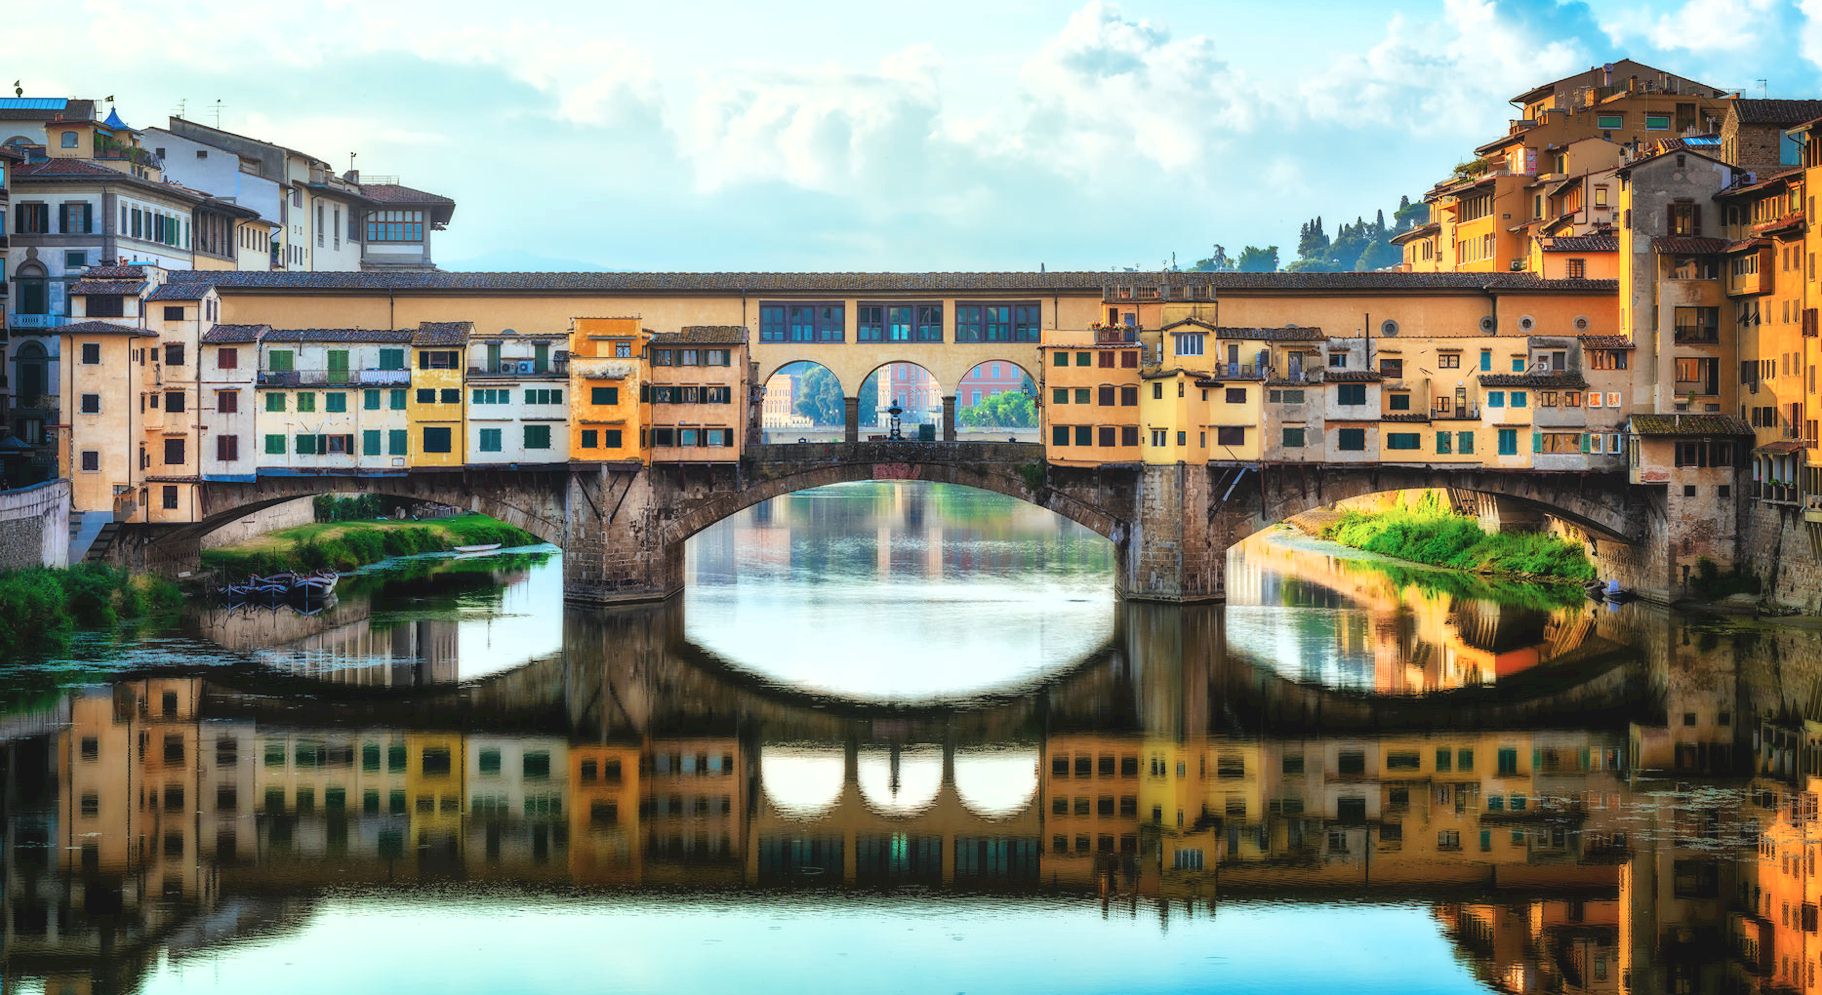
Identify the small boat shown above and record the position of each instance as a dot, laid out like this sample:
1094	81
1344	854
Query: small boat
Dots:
478	548
320	583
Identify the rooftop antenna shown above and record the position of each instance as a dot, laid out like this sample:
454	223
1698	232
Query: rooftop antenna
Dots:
1763	84
351	156
182	102
218	113
18	91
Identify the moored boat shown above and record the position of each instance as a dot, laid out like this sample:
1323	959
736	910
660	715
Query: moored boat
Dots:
478	548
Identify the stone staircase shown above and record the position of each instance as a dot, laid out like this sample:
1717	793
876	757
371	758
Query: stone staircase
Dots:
91	533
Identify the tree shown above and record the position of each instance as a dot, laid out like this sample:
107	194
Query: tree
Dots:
1220	262
1007	409
1311	239
1253	259
819	397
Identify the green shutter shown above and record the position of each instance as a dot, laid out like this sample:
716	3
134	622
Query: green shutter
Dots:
399	397
370	400
275	401
1584	442
1537	442
395	442
370	442
275	445
306	445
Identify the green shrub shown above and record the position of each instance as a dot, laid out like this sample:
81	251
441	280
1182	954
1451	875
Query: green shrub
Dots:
1427	532
40	609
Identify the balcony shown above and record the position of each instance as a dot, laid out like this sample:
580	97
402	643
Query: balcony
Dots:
334	378
1116	335
604	369
524	369
1697	335
1776	492
1697	388
38	320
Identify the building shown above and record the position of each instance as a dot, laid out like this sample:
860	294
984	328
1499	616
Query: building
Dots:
518	389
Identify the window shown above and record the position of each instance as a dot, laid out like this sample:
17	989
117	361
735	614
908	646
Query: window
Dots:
1391	369
1610	122
1403	440
1234	395
438	359
802	323
449	395
1443	440
604	395
1657	122
490	440
1350	394
1351	440
91	460
1188	343
168	497
1448	360
1230	435
1398	402
1496	399
335	402
370	442
275	445
227	448
436	439
537	436
393	226
1293	438
397	401
91	353
590	438
543	395
395	442
91	404
1508	442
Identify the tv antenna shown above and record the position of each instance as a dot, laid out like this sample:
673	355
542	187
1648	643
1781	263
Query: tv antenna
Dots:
218	106
1763	86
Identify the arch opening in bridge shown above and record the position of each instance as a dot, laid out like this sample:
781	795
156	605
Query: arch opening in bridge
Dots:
996	401
901	781
915	391
802	782
915	590
803	400
996	783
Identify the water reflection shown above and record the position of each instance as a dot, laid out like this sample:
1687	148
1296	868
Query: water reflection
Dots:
1336	616
1632	811
903	590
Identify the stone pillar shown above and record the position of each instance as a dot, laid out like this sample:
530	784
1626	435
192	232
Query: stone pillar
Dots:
948	417
1177	548
851	417
614	548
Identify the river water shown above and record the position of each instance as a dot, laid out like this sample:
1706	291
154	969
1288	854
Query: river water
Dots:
903	737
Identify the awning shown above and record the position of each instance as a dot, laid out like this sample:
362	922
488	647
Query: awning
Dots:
1779	448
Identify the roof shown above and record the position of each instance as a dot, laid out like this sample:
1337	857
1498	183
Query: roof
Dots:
99	328
1612	71
1351	376
442	333
1419	231
79	170
114	273
1780	447
750	283
1193	322
228	207
1753	184
116	288
233	334
703	335
45	108
441	208
1605	342
1688	245
338	335
1583	243
1781	113
1286	333
1547	378
1688	424
180	291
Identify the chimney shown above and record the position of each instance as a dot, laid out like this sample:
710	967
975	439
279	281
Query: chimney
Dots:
352	176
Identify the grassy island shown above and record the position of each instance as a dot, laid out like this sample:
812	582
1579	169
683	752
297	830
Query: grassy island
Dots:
345	545
1427	531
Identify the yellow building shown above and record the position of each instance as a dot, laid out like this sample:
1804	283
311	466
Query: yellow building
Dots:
1089	396
436	406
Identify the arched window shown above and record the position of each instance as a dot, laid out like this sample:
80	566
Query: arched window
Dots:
33	367
34	294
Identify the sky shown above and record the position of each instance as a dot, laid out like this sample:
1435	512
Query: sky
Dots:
843	136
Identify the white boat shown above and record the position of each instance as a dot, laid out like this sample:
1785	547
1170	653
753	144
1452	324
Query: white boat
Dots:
479	548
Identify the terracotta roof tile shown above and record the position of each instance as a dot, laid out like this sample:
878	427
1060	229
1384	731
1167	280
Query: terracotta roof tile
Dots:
703	335
1351	376
1783	113
1605	342
1550	378
1688	245
98	328
758	283
339	335
234	334
108	288
1286	333
1688	424
442	333
1583	243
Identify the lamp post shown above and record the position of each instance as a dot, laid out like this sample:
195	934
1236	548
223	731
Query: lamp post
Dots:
894	412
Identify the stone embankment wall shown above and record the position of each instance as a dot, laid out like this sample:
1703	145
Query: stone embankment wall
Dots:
1785	553
290	514
35	526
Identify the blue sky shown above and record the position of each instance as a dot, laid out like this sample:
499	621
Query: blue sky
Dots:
936	135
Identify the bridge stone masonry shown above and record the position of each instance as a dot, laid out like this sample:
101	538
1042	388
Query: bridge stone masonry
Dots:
623	527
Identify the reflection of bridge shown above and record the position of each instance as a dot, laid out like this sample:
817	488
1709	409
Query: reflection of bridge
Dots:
623	528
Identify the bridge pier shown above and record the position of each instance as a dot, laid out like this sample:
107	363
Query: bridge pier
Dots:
1181	528
850	413
949	418
614	548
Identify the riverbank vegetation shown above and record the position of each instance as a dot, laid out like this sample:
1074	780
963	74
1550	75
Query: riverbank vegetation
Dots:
40	608
346	545
1427	531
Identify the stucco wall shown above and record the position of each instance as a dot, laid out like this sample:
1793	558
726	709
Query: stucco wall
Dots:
290	514
1783	552
35	526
